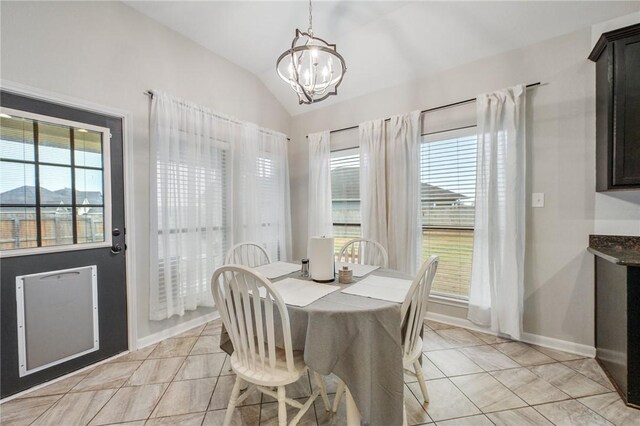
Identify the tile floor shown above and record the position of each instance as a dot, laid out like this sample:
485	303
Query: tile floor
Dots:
473	379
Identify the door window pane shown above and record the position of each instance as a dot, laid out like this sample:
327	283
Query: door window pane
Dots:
18	228
55	185
88	186
90	224
88	148
54	144
16	138
56	225
37	183
17	183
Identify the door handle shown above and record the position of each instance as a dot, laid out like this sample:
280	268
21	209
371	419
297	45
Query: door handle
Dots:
116	248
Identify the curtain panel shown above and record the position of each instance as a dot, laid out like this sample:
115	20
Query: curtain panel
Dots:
390	187
497	278
373	181
260	191
207	171
319	217
403	192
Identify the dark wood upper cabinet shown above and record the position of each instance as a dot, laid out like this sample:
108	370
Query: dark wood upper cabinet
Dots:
617	58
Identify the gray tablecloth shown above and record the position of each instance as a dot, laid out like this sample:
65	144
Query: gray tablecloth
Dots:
359	340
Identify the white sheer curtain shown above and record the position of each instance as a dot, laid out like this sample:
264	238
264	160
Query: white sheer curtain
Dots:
260	191
319	205
210	179
403	192
373	181
390	187
497	280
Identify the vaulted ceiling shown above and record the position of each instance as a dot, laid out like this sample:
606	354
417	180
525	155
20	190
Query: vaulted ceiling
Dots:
384	43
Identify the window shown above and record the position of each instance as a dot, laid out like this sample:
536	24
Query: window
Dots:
270	180
448	181
345	194
200	192
52	186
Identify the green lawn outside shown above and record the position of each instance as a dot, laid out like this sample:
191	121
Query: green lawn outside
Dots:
454	247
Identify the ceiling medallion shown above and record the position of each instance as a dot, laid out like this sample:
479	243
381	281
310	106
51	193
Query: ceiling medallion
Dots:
312	67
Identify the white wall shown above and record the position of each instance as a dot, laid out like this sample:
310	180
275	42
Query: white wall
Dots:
109	54
561	163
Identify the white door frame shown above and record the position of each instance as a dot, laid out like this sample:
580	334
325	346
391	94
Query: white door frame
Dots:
127	153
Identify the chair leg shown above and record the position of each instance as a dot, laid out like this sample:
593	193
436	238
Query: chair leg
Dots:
323	391
404	414
338	396
282	406
232	401
421	382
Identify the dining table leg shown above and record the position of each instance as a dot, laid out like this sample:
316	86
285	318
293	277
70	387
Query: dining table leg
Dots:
353	415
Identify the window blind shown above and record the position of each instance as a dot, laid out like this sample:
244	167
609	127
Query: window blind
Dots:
188	183
268	190
447	178
345	194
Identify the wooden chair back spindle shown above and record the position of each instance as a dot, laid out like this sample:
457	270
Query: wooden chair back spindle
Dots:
364	252
251	319
247	254
414	306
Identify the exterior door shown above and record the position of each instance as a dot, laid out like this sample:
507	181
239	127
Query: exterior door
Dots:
62	241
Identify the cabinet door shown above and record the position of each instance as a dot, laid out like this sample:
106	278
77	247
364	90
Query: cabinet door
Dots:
626	149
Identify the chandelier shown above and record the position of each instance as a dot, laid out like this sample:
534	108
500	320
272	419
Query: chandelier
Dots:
312	67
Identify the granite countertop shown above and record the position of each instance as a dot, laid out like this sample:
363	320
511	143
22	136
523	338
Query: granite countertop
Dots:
622	250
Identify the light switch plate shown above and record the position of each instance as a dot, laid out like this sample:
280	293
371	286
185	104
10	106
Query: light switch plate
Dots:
537	199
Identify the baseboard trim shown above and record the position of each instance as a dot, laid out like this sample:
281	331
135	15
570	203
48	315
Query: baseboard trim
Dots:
458	322
174	331
560	345
534	339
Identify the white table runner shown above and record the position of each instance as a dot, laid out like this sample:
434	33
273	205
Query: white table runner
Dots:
299	292
358	270
277	269
383	288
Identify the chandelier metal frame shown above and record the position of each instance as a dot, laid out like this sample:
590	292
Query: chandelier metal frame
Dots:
306	96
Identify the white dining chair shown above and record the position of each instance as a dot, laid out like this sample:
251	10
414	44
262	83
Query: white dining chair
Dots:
249	307
247	254
412	313
364	252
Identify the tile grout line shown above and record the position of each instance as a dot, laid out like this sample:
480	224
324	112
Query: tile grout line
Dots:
95	390
420	402
174	376
114	394
127	380
214	386
593	411
538	377
405	384
575	371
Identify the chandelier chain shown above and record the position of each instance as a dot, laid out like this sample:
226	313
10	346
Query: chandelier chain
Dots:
310	19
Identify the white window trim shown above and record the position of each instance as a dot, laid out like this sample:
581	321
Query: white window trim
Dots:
106	182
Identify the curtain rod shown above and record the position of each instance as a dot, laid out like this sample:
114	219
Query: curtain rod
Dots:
149	93
466	101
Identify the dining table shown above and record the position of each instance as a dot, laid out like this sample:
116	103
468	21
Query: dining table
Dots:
359	340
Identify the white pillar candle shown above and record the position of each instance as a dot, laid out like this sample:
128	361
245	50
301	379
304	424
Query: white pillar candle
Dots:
321	259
